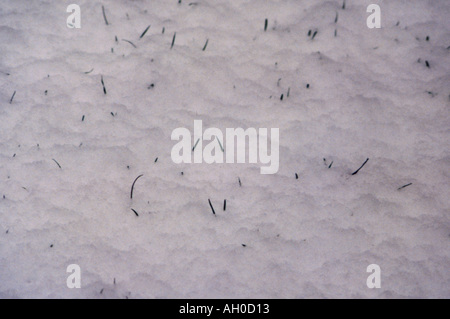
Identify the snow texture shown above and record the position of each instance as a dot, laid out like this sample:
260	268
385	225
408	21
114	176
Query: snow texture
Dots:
69	153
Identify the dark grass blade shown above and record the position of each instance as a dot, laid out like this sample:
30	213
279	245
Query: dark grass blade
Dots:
173	40
143	33
212	208
12	97
132	186
103	84
220	144
56	162
356	172
104	15
195	145
135	212
130	43
206	44
404	186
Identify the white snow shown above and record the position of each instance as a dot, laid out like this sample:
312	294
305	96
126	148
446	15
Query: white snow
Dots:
311	237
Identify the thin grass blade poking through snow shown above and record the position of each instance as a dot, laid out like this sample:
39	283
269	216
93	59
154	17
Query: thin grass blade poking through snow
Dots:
193	148
356	172
143	33
220	144
132	186
130	43
56	162
404	186
137	215
12	97
206	44
212	208
103	84
173	40
104	15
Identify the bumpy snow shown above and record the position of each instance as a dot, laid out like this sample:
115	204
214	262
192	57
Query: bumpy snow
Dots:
381	94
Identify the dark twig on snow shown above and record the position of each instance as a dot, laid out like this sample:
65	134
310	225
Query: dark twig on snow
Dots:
132	186
265	24
356	172
224	205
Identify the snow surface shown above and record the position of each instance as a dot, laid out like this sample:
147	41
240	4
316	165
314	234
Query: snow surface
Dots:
313	237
